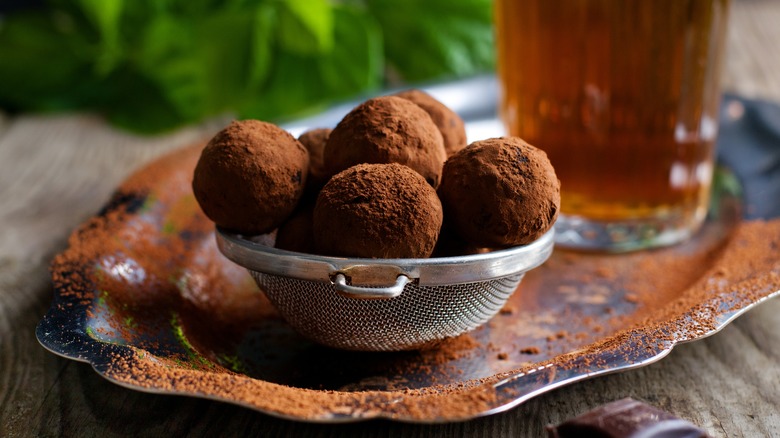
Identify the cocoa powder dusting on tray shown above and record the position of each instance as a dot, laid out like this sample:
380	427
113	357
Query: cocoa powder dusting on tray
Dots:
149	260
428	403
748	269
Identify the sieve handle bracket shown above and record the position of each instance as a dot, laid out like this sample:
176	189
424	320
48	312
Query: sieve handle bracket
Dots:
369	293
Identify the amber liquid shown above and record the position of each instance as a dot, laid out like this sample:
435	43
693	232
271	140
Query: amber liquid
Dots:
623	96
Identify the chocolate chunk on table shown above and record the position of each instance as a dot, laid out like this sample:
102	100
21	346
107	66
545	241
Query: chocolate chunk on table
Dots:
626	418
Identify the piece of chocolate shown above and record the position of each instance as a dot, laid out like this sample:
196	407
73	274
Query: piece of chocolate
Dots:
377	211
626	418
387	129
250	176
451	126
500	192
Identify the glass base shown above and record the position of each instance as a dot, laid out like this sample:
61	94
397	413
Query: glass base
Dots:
575	232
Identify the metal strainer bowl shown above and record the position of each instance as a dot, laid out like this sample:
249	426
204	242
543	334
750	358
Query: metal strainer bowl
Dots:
384	304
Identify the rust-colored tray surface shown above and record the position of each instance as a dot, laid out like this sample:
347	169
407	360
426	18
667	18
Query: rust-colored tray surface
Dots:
143	294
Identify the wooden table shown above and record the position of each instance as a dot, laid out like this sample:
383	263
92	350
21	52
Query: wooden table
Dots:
55	171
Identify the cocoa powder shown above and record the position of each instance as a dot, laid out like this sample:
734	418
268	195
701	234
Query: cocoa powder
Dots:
377	211
500	192
315	140
387	130
451	126
150	261
297	232
250	176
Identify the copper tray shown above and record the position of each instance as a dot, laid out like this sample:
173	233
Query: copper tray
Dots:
163	294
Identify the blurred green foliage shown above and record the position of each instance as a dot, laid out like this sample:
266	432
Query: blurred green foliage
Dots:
152	65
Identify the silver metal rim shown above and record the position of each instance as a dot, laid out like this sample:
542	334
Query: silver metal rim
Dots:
384	272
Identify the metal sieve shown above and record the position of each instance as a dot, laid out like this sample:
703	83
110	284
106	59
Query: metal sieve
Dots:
384	304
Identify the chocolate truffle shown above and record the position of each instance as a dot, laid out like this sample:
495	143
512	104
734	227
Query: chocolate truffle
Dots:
297	233
387	129
250	176
377	211
451	126
314	140
500	192
626	418
450	244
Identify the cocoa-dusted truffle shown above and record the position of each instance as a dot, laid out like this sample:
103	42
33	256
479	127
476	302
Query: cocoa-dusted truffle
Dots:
314	140
451	126
377	211
297	233
450	244
387	129
250	176
500	192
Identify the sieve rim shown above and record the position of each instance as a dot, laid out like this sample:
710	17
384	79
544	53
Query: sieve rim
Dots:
435	271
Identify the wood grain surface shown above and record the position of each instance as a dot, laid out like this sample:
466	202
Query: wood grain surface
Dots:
55	171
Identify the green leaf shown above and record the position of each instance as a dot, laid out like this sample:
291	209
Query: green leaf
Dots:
43	62
293	86
261	45
105	16
356	63
436	38
138	105
200	66
301	84
225	48
155	64
305	26
167	58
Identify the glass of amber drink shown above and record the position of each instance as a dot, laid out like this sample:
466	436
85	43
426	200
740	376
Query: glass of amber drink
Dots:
623	96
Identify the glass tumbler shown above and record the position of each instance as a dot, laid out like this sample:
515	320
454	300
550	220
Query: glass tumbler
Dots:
623	96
